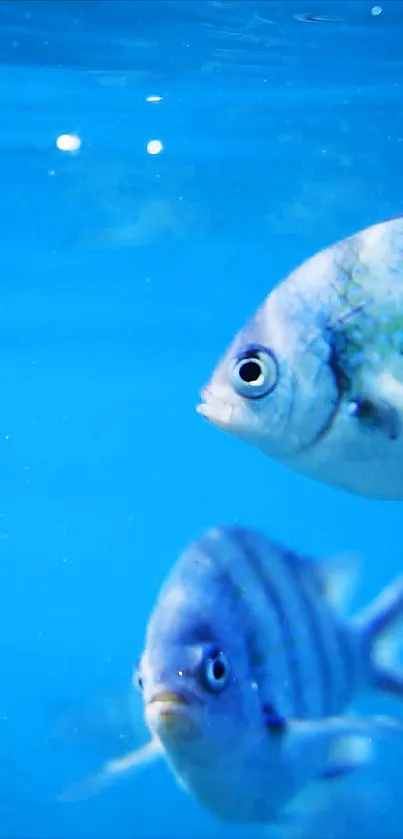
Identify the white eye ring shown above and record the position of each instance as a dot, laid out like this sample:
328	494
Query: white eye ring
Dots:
217	670
255	372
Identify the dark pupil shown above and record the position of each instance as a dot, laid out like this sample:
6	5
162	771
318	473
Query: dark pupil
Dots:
218	670
250	371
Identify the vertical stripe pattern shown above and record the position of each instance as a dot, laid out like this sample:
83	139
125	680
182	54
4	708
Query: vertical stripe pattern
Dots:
301	655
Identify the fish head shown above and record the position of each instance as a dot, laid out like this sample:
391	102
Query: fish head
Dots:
275	387
186	698
193	672
195	706
204	679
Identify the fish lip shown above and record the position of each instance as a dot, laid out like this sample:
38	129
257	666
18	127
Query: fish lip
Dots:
205	396
173	717
214	409
169	696
175	698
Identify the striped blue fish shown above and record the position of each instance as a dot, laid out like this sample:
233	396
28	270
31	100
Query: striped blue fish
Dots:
248	671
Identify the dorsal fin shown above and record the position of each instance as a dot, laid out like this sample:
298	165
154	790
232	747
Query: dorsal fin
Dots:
338	577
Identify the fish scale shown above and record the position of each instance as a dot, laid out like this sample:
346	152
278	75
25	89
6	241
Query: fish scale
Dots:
369	327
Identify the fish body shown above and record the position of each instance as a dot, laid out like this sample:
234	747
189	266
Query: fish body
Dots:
315	378
247	673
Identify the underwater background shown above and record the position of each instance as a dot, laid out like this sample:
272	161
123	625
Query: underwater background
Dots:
124	275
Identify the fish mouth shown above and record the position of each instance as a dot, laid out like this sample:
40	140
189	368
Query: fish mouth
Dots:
172	716
169	698
214	409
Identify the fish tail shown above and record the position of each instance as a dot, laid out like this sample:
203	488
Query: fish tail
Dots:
377	625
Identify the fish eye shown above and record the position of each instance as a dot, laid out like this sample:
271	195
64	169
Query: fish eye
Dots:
255	372
138	681
216	670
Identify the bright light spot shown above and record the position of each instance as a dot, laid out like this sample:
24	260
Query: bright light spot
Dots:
154	147
154	99
376	10
68	142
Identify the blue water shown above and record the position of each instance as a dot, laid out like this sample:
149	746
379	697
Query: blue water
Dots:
124	275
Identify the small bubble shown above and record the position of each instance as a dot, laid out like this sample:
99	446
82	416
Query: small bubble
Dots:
376	10
154	147
68	142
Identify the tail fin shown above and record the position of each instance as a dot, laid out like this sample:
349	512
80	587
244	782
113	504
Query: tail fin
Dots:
375	624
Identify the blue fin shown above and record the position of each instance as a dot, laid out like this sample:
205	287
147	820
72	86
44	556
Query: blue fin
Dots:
112	771
328	747
109	722
374	624
337	577
378	415
347	755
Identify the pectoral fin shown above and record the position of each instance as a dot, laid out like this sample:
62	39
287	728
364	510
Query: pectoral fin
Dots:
347	755
113	770
379	403
378	414
330	747
331	728
337	577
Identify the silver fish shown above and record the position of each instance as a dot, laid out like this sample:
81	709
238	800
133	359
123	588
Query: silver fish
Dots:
315	378
247	673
